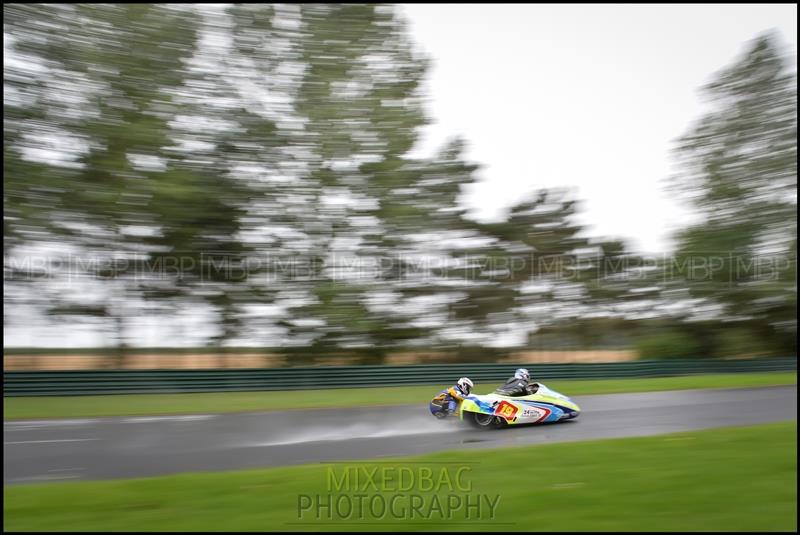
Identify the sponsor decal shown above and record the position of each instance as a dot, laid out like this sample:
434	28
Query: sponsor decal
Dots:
537	413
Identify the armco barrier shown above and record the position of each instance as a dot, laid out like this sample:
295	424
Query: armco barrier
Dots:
72	383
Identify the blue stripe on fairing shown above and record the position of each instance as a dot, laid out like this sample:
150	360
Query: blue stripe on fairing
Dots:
481	404
547	405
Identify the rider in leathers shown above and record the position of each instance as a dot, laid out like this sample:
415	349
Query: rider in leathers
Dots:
519	385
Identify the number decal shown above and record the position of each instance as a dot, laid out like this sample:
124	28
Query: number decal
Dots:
506	410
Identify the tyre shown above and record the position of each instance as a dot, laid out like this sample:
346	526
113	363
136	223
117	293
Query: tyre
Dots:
485	421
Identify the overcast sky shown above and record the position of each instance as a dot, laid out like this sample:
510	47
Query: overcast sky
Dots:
585	96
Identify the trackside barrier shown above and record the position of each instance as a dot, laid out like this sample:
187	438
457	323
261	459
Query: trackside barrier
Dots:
73	383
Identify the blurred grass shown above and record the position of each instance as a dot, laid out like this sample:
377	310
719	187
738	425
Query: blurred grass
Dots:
153	404
730	479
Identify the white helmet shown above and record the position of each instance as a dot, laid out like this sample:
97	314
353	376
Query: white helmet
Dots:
465	385
522	373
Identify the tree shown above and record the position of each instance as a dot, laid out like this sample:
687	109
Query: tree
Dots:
740	173
117	191
360	105
98	100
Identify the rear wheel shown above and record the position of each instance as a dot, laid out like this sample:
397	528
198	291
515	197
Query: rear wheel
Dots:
485	421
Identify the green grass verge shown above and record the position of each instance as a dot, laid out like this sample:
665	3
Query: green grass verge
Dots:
730	479
151	404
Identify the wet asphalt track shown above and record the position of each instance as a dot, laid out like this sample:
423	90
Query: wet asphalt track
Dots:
107	448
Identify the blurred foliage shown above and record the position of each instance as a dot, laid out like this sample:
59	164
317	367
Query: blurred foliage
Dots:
249	164
669	344
740	173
